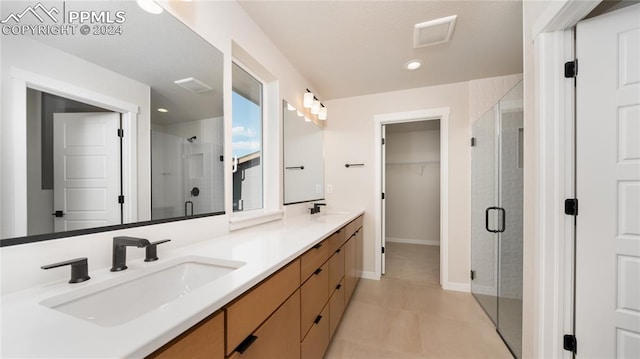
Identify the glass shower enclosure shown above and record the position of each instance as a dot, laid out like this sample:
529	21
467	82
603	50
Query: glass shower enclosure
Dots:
496	215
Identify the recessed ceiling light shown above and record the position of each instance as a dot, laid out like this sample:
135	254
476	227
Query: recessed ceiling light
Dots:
163	110
150	6
413	65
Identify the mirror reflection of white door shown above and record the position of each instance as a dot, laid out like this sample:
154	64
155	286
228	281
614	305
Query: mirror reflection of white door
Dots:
86	157
608	186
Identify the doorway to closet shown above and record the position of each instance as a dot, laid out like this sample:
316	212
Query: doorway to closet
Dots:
412	200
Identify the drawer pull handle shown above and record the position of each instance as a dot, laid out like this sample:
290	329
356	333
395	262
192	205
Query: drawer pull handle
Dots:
317	246
317	271
339	249
242	347
318	319
338	286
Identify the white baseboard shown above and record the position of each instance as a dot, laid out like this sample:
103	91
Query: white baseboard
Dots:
458	287
426	242
370	275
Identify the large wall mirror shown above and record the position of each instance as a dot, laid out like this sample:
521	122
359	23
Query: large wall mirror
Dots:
112	116
303	157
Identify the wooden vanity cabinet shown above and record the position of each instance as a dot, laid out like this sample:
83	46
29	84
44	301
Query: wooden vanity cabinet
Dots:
292	314
205	340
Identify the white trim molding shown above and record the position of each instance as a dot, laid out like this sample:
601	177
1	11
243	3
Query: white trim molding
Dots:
441	114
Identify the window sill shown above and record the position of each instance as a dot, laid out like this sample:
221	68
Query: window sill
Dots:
253	218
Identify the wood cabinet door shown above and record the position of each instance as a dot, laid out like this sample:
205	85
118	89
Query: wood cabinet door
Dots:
315	344
315	294
349	268
247	313
205	340
279	336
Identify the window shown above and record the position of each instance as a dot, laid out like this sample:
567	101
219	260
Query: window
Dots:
247	101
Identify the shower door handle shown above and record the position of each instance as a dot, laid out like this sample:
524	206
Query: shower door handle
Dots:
234	164
502	221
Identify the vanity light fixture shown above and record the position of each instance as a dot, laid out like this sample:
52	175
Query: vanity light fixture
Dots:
323	113
413	65
300	114
150	6
307	119
163	110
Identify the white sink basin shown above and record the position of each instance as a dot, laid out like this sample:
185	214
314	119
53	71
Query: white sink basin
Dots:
121	300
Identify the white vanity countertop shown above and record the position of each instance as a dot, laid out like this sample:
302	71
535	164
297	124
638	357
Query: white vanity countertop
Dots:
30	329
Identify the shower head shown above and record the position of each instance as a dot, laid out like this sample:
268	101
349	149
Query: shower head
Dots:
191	139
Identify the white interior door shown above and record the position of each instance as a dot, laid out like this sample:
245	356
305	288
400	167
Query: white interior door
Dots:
383	206
86	170
608	186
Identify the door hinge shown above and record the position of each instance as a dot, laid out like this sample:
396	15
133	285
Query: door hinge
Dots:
473	142
570	343
121	199
383	141
473	274
571	69
120	132
571	206
382	195
382	250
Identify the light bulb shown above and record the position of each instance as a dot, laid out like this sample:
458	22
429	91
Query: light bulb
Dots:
323	113
308	100
315	107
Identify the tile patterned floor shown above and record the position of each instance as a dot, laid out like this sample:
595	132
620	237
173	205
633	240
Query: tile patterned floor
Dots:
407	315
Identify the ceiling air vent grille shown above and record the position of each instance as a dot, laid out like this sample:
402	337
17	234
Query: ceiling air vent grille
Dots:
433	32
193	85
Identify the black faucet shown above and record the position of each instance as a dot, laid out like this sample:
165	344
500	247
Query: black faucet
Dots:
152	250
79	269
316	208
120	245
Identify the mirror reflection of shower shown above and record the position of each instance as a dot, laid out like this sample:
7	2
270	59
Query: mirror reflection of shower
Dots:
185	166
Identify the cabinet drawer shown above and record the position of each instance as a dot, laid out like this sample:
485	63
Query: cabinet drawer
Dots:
316	342
205	340
278	337
315	294
249	311
336	268
336	307
313	259
359	222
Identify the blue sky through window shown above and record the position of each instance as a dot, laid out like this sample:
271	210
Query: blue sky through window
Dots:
247	126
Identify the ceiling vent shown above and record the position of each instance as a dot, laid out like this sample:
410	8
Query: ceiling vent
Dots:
193	85
433	32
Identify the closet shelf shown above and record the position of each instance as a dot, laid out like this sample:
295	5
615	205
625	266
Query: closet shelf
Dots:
412	163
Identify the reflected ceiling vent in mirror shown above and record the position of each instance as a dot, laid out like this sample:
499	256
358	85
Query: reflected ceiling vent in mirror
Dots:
193	85
433	32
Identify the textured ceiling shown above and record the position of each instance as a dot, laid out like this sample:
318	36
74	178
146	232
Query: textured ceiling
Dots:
351	48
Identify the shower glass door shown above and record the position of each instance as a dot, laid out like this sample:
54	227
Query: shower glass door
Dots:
484	244
496	215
